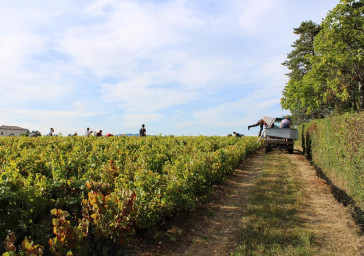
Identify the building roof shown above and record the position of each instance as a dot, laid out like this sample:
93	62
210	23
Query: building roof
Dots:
10	127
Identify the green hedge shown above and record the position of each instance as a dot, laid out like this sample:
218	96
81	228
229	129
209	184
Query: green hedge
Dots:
336	146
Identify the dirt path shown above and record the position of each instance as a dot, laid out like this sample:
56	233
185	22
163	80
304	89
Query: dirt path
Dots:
211	230
214	234
325	216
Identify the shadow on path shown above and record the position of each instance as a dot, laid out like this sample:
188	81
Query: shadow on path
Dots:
340	195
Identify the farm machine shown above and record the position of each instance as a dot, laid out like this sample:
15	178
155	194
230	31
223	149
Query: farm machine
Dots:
276	137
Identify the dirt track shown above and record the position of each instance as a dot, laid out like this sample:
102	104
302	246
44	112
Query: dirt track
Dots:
211	230
328	218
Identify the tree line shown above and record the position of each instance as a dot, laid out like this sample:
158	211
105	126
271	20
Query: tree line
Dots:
326	65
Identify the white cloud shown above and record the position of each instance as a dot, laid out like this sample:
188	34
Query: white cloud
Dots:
271	74
126	33
133	120
24	77
15	49
25	87
141	61
206	73
137	96
237	113
255	14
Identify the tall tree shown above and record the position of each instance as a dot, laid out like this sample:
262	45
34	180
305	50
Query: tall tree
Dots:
298	96
298	60
327	64
339	59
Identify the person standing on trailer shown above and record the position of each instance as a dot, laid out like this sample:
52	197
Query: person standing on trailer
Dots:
285	123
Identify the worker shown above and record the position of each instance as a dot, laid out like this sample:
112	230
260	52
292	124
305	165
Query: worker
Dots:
51	131
143	131
88	132
260	123
237	134
285	123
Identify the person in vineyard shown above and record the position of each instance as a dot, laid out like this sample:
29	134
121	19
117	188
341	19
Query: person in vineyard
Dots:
142	131
237	134
88	132
260	123
51	131
99	134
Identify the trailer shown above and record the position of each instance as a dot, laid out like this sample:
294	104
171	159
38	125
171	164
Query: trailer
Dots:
275	137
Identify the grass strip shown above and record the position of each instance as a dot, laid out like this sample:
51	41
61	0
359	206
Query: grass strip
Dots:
272	224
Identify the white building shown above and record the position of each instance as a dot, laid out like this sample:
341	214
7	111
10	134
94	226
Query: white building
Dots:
7	130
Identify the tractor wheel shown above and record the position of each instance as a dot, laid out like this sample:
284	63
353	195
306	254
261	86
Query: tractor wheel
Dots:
290	150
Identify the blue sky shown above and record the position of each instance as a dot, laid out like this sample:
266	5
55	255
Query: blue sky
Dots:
182	67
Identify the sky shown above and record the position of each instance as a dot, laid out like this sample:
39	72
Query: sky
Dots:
181	67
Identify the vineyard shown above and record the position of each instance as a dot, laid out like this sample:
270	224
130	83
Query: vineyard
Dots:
84	196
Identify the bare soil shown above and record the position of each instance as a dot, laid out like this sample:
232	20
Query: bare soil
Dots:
211	229
325	216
